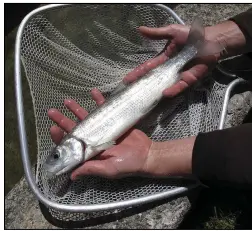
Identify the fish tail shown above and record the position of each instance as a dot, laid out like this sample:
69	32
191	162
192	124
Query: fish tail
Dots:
196	37
196	34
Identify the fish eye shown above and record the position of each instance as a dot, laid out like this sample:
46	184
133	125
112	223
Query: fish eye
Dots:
56	156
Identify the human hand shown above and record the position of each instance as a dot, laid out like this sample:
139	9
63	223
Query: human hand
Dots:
178	34
126	158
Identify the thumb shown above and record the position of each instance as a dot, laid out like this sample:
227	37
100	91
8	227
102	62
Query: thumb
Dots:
166	32
94	168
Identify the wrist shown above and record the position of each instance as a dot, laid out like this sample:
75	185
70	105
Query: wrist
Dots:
170	158
229	36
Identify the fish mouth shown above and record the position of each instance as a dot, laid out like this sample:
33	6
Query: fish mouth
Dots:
62	171
50	175
67	169
51	170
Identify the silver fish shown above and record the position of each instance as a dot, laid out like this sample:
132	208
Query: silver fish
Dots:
122	111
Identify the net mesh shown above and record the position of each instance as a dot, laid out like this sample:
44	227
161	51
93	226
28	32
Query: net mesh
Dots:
70	50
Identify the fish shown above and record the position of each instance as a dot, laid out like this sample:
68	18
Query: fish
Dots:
123	109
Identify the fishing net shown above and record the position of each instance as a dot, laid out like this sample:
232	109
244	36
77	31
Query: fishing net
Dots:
68	51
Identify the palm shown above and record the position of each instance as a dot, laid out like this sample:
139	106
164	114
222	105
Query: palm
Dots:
127	157
177	34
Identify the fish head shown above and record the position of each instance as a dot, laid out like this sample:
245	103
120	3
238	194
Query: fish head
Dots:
64	157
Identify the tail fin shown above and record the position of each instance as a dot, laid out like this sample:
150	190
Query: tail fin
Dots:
196	37
197	33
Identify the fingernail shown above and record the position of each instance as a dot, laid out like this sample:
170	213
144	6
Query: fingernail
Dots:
95	91
52	110
77	178
126	80
67	101
167	94
100	102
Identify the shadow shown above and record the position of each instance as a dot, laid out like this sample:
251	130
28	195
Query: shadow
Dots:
243	221
248	117
11	136
163	114
14	14
102	217
110	216
239	65
220	205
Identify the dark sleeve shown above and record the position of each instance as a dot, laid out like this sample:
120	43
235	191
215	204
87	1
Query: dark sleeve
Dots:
223	158
244	21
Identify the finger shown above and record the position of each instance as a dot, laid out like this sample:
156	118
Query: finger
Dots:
172	48
93	167
76	109
195	73
56	134
175	89
188	78
157	33
103	155
62	121
150	64
97	96
206	60
144	68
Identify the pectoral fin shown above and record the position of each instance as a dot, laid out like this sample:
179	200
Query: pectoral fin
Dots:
102	147
90	143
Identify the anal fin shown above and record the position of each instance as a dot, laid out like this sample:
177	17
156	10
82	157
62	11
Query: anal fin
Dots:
148	110
120	87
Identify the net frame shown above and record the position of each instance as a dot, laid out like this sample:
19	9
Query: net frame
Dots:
24	150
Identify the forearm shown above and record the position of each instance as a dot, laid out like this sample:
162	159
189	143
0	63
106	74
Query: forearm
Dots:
219	158
224	157
234	34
